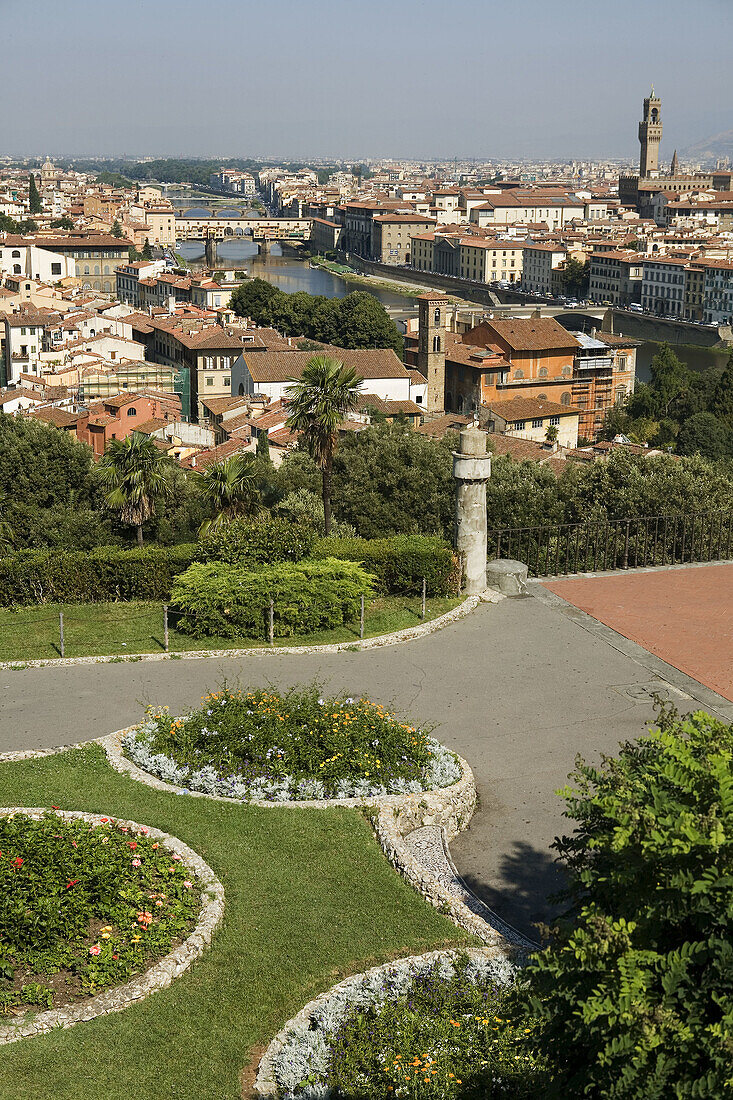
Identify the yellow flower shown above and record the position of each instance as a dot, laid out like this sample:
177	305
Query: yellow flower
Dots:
105	935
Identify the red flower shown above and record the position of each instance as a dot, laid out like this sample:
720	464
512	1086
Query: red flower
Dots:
17	862
54	807
132	845
72	883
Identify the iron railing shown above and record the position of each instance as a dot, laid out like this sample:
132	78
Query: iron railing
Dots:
644	541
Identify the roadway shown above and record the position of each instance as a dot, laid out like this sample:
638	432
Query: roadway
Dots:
518	688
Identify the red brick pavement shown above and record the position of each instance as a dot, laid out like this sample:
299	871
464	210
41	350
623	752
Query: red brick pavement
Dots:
684	616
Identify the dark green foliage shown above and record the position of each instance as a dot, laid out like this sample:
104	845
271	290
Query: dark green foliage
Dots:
10	225
42	466
263	447
147	252
391	480
105	573
400	563
575	277
722	402
116	229
63	223
34	199
635	991
230	602
249	543
357	321
706	435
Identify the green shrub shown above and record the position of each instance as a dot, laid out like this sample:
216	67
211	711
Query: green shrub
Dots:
93	576
400	563
228	601
634	994
248	543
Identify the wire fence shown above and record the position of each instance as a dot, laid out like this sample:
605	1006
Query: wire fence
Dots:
641	542
119	629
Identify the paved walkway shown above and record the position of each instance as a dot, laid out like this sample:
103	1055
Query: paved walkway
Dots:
518	688
684	616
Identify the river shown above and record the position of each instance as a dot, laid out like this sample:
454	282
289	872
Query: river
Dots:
287	273
695	357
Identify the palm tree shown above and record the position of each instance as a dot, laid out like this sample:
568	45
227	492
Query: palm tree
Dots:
319	401
135	473
229	487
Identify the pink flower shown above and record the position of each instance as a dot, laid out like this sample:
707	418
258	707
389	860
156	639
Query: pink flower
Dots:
159	903
95	949
136	862
177	859
188	884
144	830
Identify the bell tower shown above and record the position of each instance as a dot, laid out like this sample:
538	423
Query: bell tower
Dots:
431	348
650	135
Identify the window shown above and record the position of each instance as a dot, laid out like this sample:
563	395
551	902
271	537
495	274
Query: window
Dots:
209	381
542	372
209	362
86	269
436	316
16	269
518	425
55	269
23	332
132	411
555	421
16	254
565	399
542	397
537	423
436	343
519	374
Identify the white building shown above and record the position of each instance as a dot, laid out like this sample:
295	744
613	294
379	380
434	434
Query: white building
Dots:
19	257
269	372
539	262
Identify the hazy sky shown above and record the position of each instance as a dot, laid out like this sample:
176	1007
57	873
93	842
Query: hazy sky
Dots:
360	78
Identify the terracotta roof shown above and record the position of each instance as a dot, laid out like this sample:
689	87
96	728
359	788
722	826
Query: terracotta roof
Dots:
149	426
6	396
280	366
532	334
527	408
451	422
521	450
218	405
59	417
215	454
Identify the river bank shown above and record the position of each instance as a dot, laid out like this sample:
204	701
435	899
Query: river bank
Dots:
409	290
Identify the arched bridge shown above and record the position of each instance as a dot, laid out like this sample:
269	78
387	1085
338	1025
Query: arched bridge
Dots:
257	229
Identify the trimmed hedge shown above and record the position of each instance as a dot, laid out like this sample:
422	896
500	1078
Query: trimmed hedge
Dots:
248	542
92	576
400	563
227	601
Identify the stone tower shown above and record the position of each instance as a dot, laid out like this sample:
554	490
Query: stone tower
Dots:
431	348
650	135
675	166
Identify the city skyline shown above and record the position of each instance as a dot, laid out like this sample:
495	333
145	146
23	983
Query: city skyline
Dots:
327	79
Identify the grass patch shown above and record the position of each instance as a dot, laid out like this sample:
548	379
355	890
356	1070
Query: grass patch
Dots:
309	898
118	629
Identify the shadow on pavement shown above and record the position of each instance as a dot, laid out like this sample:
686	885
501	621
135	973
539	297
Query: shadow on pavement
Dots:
520	895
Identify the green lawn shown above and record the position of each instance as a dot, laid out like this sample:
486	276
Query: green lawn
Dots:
309	898
32	633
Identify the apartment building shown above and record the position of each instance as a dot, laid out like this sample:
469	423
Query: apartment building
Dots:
616	277
489	261
391	236
718	301
663	286
517	207
540	261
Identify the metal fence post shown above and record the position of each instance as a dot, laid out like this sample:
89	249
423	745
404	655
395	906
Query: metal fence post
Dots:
424	593
626	545
271	631
61	632
165	626
361	620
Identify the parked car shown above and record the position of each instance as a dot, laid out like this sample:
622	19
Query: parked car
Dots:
634	308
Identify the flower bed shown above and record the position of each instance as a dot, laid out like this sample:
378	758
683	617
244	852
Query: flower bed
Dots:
440	1025
85	904
295	746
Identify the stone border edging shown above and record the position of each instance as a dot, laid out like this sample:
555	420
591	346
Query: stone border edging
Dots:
397	637
393	818
266	1086
160	974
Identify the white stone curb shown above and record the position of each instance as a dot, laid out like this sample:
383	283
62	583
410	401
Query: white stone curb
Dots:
162	973
396	638
265	1086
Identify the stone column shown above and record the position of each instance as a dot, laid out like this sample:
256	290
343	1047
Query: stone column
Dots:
471	469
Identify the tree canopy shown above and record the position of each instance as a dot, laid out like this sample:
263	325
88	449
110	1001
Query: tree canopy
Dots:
356	321
634	994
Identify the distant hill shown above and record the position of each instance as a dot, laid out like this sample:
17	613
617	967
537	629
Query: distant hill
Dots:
710	148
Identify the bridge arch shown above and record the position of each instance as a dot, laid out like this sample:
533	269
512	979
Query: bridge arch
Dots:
576	321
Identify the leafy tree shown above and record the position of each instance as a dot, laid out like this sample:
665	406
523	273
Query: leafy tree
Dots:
35	205
229	488
306	508
133	255
706	435
722	400
319	401
670	378
575	277
116	228
263	447
634	994
392	480
64	222
10	225
135	475
147	252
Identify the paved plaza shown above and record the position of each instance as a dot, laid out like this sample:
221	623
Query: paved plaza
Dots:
518	688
